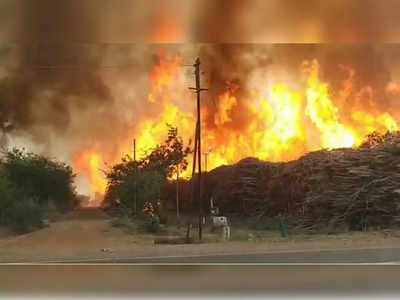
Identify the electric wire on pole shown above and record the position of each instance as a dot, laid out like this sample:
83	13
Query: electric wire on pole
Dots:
197	150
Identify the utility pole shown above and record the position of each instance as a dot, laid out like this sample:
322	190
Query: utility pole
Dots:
206	154
177	192
135	193
134	149
205	161
177	185
194	162
197	150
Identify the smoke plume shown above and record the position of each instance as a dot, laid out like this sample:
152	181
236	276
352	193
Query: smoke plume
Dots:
72	76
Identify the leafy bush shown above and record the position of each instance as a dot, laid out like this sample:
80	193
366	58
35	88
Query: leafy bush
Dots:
152	224
28	183
24	216
40	179
16	211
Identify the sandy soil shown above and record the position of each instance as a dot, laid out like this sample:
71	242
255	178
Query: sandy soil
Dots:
91	235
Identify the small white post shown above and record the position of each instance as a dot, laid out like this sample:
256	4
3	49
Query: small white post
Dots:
226	233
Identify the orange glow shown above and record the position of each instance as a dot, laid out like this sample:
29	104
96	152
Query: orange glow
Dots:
323	112
153	132
90	163
226	102
283	133
163	75
283	124
167	29
370	123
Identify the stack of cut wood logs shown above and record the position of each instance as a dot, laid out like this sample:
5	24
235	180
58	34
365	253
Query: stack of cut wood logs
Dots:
355	189
241	188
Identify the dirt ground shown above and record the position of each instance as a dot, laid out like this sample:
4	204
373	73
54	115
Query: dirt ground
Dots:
92	235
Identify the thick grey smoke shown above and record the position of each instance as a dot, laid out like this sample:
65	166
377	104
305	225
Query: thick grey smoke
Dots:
71	75
56	80
286	21
68	69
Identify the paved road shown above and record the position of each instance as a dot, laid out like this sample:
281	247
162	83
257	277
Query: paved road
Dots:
194	281
364	256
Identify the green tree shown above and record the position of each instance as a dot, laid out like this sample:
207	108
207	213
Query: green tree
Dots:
41	180
146	175
17	211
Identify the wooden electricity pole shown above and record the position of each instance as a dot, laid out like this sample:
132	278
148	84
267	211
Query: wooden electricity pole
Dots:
134	150
206	154
135	193
197	150
177	185
194	162
177	192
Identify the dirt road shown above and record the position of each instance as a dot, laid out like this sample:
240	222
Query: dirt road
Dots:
82	233
87	235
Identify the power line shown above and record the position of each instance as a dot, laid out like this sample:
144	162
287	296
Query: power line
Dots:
197	151
44	67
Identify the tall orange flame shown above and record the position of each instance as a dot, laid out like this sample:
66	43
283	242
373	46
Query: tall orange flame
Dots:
279	130
90	163
323	112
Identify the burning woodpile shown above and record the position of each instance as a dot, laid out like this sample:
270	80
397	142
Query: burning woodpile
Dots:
354	188
340	189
